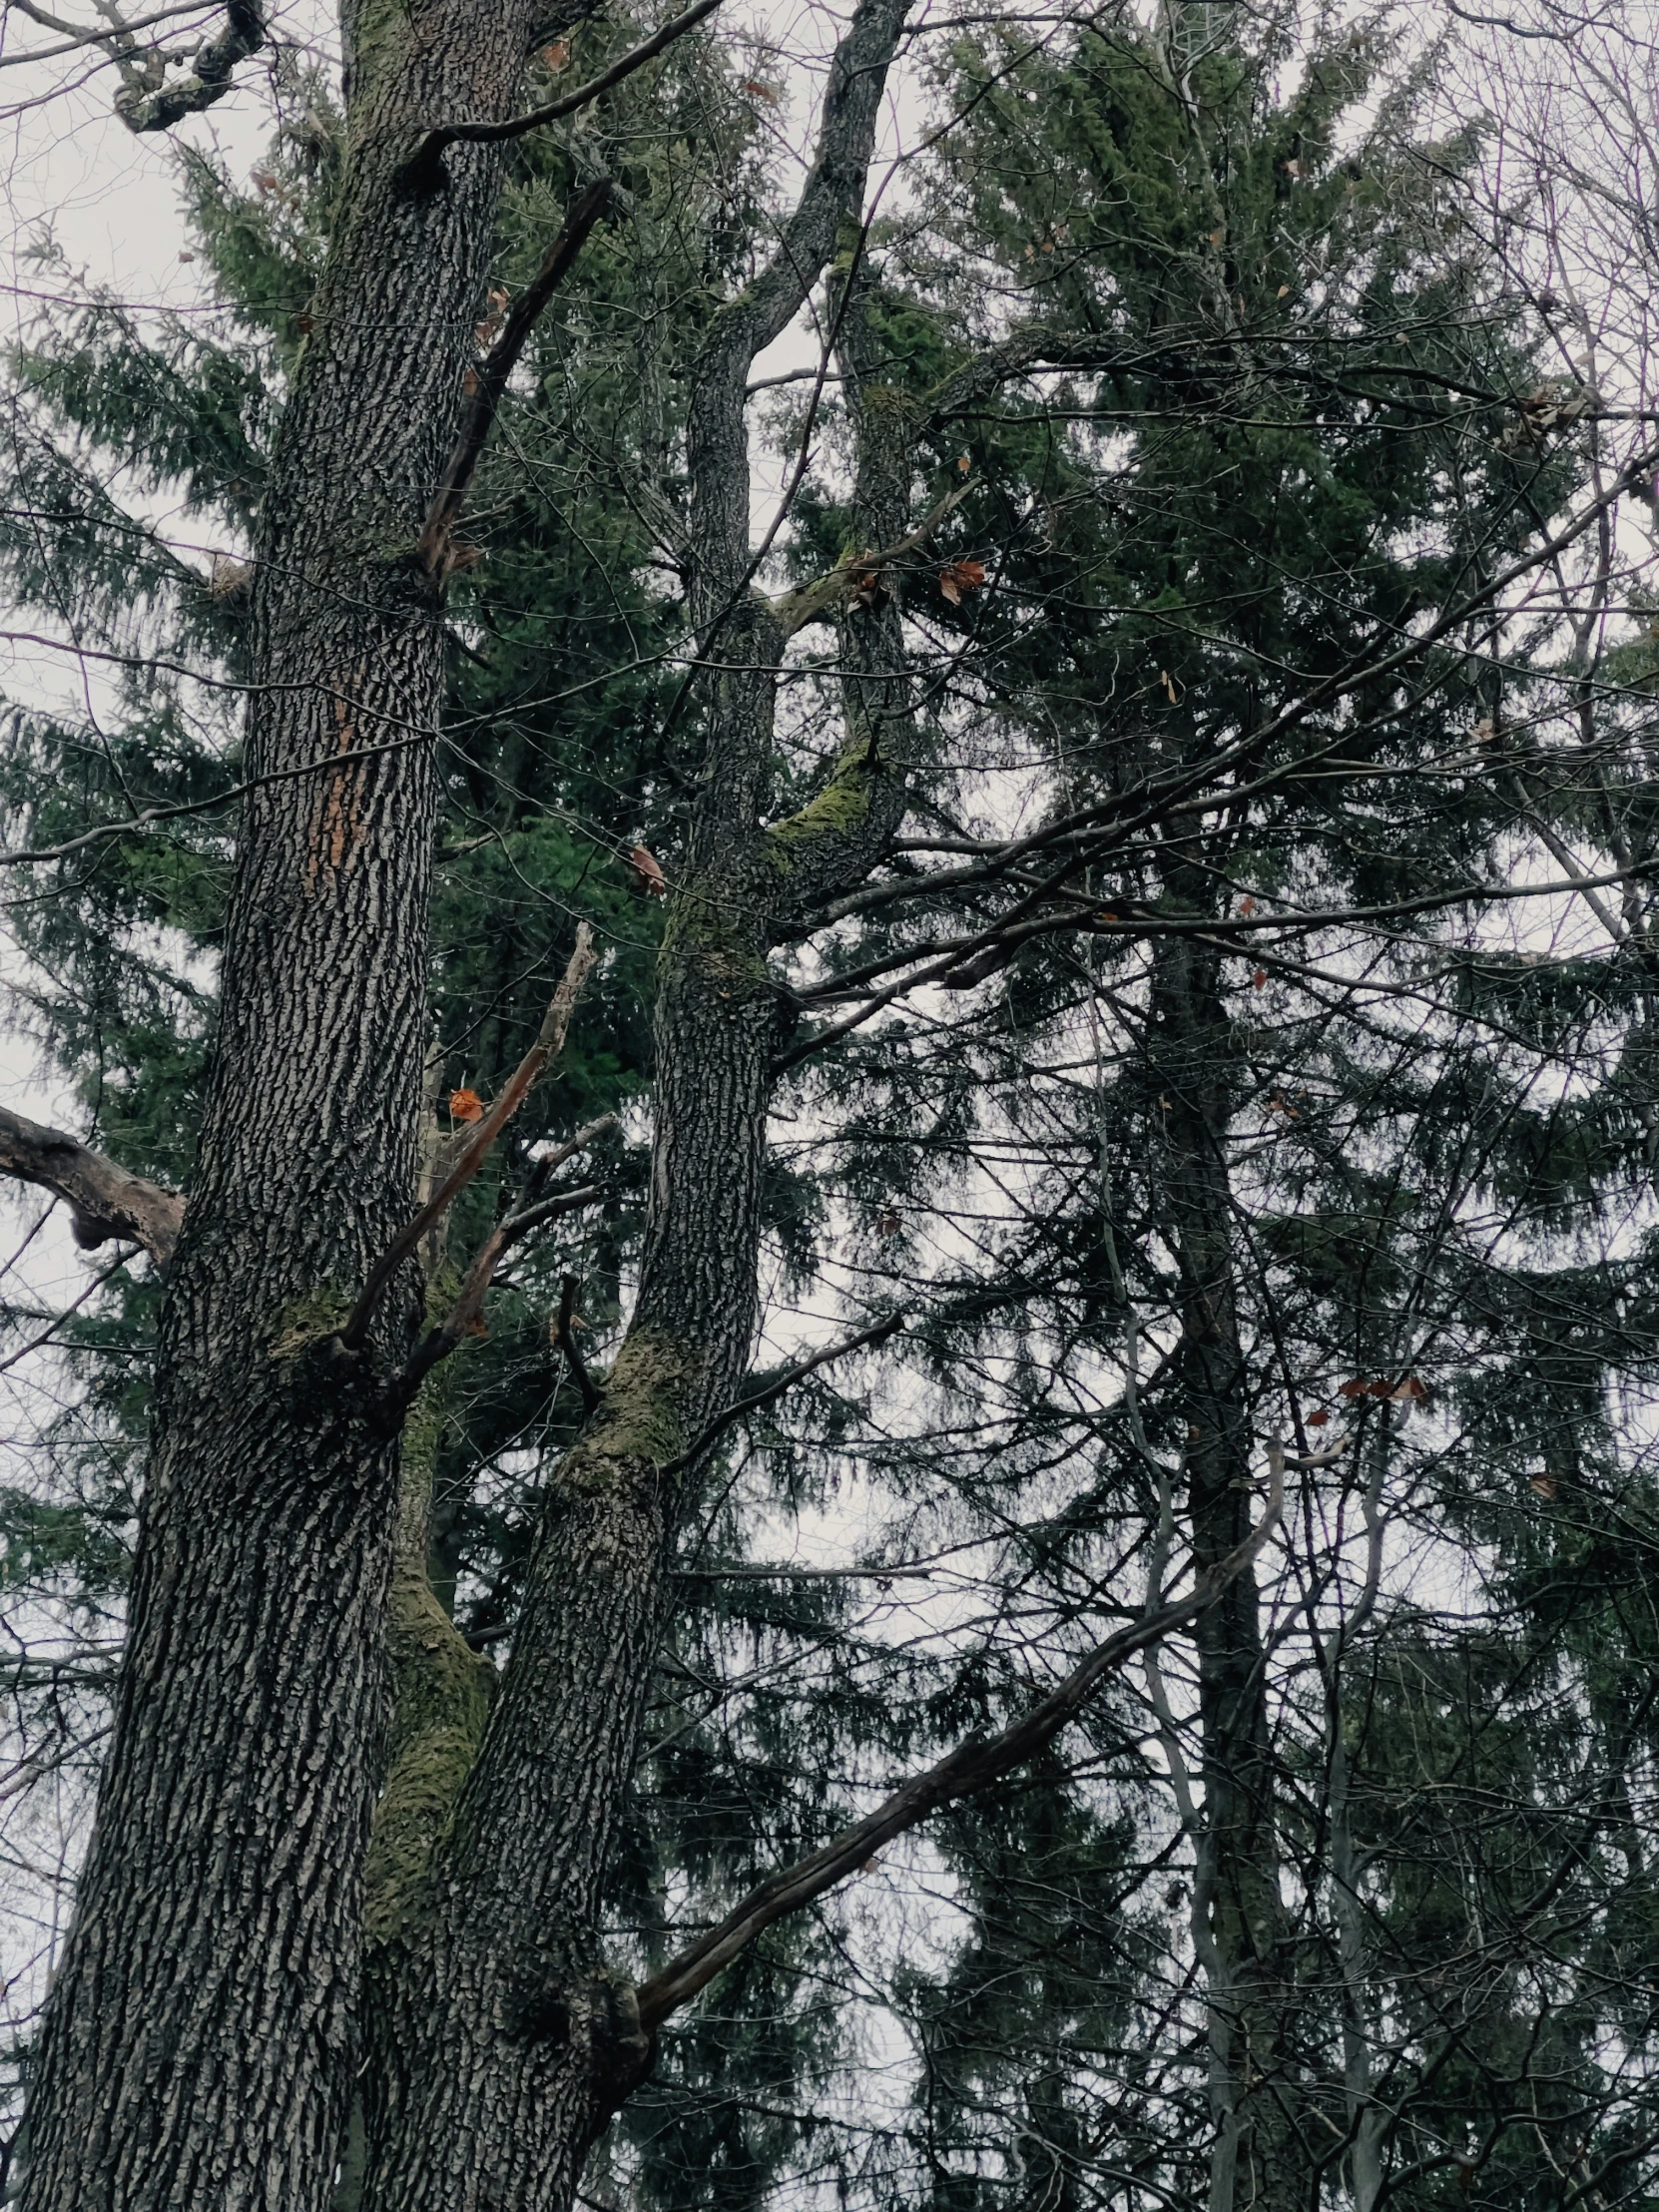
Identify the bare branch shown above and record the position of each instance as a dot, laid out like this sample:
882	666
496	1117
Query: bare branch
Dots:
563	1339
146	102
105	1200
877	1334
498	366
549	1043
973	1766
423	163
462	1319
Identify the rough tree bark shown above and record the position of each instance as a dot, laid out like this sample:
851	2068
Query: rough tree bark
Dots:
500	2046
199	2029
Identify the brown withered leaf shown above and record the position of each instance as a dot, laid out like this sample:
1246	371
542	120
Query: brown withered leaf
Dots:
465	1105
1542	1485
1318	1418
957	576
648	875
554	57
1247	905
1259	981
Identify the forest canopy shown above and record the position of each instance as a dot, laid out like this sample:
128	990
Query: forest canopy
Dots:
829	852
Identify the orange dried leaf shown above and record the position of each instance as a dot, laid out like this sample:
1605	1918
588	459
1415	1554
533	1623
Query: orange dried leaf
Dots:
465	1105
1355	1390
762	92
556	55
1319	1419
648	875
957	576
1247	905
1259	979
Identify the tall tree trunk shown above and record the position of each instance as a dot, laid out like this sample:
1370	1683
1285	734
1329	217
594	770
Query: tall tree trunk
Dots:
198	2035
1192	1080
500	2042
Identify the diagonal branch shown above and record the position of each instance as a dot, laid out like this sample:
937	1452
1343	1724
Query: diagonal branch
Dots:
877	1334
498	366
973	1766
423	163
462	1317
105	1200
549	1043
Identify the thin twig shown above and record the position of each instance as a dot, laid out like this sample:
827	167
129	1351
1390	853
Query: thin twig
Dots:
37	1344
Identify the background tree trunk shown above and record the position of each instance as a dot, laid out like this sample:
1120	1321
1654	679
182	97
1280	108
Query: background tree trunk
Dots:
1192	1080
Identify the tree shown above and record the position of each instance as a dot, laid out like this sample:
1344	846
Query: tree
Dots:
497	2041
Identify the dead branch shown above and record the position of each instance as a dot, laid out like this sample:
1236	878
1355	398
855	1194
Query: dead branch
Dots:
463	1318
973	1766
423	163
795	608
564	1340
105	1200
549	1043
147	102
498	366
877	1334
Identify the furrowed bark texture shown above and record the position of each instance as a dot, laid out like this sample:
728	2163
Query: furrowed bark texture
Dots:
200	2032
1191	1074
500	2044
